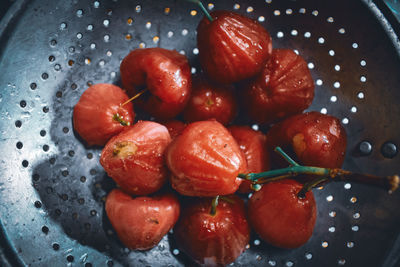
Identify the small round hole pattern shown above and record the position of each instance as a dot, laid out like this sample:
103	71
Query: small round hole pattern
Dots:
85	42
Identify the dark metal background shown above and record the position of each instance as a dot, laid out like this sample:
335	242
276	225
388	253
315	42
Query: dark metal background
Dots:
52	187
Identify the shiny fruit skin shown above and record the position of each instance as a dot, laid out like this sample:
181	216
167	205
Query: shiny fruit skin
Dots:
253	145
213	240
232	47
141	222
164	73
285	87
93	115
210	101
316	139
174	127
281	218
205	160
135	158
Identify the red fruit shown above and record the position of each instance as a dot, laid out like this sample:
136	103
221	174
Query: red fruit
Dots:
95	113
280	217
213	240
253	145
135	158
232	47
174	127
317	139
141	222
164	73
205	160
284	87
210	101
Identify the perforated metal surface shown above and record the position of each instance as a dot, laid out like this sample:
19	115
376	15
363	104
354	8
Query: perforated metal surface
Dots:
53	187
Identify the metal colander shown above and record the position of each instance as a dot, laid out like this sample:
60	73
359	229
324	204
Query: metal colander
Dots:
53	187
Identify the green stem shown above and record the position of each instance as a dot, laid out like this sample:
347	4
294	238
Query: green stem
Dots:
286	156
310	185
287	172
214	205
203	8
390	183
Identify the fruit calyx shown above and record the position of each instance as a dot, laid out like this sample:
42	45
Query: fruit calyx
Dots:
121	120
117	117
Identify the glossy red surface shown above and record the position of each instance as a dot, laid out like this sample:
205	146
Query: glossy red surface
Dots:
283	88
253	145
213	240
280	217
232	47
135	158
210	101
164	73
317	139
141	222
94	112
205	160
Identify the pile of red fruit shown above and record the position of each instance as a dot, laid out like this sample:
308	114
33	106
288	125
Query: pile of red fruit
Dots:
202	157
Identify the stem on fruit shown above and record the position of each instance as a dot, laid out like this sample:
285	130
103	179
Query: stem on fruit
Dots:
283	173
203	8
390	183
134	97
286	156
214	205
255	187
120	118
310	185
